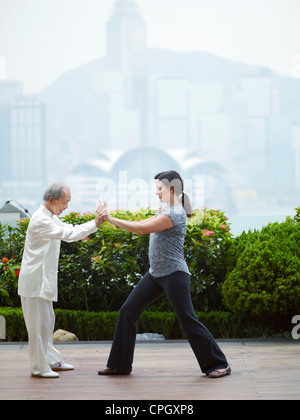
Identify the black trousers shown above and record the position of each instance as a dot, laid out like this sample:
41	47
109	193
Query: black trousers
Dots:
177	289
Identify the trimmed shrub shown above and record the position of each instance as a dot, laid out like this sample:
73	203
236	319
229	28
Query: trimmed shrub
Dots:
97	326
15	325
263	273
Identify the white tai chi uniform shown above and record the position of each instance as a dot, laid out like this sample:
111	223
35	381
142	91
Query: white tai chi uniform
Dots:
38	282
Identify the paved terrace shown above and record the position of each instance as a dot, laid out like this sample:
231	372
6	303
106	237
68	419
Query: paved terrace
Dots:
162	371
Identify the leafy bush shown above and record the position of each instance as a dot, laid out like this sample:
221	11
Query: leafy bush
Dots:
263	272
11	250
98	273
207	241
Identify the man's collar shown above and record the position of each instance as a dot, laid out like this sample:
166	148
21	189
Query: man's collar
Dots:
45	210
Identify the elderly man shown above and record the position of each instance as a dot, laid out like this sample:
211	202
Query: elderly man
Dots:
38	276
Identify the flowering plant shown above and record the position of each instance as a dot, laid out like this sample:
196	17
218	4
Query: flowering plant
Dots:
98	273
9	273
12	241
207	241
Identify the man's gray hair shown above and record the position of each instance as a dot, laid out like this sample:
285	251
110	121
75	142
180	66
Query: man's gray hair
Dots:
54	190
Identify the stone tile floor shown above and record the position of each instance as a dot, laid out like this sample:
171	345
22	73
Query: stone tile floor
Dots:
168	370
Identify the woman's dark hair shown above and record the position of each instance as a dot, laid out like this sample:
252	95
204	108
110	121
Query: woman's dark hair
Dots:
173	179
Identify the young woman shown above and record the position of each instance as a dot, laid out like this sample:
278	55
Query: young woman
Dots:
168	273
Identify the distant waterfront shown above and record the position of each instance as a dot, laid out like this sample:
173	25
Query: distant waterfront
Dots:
245	221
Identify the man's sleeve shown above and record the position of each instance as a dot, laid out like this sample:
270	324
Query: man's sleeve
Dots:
53	230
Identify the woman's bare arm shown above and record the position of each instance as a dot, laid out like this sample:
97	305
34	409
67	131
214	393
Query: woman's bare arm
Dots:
154	224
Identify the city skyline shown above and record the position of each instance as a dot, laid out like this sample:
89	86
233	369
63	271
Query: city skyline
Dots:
231	129
39	41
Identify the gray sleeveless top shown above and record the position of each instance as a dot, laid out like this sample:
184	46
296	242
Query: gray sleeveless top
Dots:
166	247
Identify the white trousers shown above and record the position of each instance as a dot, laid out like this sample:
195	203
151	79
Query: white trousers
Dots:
40	319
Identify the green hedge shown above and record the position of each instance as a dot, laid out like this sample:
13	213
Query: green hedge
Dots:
97	326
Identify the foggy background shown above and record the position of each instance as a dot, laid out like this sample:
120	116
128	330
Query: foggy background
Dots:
103	94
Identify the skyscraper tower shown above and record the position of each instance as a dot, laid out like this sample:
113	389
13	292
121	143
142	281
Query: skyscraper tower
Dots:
126	40
126	49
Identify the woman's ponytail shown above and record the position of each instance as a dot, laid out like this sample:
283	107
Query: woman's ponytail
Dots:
187	204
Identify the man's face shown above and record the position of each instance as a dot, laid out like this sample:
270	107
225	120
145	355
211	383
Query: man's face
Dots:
57	207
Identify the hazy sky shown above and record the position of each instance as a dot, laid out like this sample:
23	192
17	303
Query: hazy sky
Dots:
41	39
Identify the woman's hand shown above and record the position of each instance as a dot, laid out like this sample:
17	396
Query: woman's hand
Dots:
102	214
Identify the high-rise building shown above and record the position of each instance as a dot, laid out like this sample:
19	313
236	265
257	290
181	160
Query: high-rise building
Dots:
9	92
173	111
24	176
27	116
126	52
126	41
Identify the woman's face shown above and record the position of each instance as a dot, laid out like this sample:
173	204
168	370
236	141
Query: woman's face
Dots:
163	191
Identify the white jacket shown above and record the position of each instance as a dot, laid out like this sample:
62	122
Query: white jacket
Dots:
38	275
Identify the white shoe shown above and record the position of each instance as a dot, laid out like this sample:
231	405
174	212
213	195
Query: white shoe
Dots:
61	366
49	374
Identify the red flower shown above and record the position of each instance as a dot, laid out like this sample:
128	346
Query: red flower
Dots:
208	232
17	272
5	260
